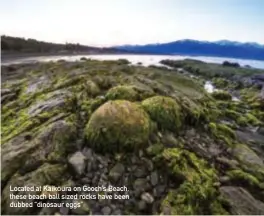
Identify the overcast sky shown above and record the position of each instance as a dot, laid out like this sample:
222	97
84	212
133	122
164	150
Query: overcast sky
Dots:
116	22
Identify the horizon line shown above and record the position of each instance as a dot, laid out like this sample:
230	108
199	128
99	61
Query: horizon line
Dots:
137	44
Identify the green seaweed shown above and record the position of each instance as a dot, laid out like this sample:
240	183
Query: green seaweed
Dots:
197	180
222	132
241	177
222	95
165	111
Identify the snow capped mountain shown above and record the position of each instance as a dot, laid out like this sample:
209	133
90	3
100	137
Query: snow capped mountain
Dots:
221	48
220	42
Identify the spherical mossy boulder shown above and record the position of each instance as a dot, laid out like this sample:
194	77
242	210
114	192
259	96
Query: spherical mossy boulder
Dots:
165	111
118	126
122	92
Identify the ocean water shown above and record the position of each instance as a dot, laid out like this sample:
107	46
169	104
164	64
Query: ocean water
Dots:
145	60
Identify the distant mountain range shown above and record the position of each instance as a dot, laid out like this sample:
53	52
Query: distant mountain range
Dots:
222	48
11	46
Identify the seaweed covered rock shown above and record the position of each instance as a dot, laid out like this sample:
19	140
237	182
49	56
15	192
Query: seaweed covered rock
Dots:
47	174
165	111
122	92
22	154
223	132
222	95
104	82
251	119
92	88
220	82
243	178
52	101
197	184
118	126
193	112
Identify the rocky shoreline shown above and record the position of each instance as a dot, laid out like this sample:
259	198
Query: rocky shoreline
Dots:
154	133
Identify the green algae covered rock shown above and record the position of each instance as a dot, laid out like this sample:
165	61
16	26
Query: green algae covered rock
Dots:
47	174
222	132
92	88
165	111
117	126
239	176
197	180
248	119
53	142
220	82
222	95
122	92
193	112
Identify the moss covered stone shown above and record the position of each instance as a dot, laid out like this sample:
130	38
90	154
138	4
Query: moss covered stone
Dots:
195	112
242	121
165	111
222	95
220	82
26	152
47	174
226	130
155	149
122	92
252	119
258	114
222	132
104	82
21	122
196	190
232	114
241	177
92	88
213	128
117	126
248	119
